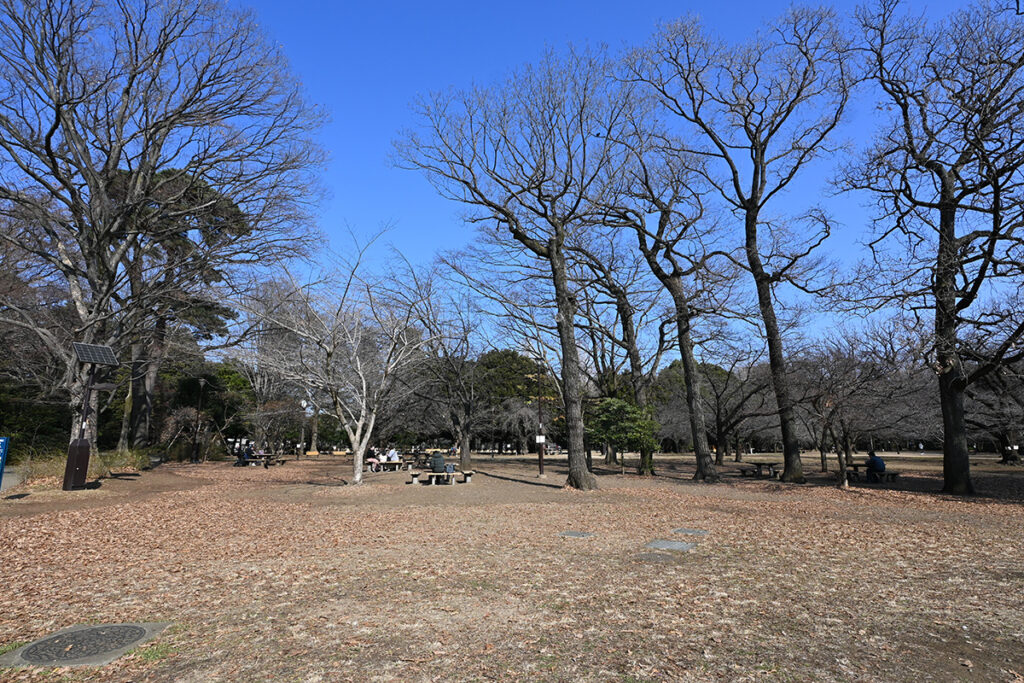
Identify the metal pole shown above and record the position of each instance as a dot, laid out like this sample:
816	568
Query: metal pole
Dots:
540	431
87	403
77	466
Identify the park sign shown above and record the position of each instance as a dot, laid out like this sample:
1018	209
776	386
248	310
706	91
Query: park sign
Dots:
3	456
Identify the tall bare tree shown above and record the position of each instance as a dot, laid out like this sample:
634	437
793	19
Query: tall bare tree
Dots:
527	157
762	112
947	172
112	114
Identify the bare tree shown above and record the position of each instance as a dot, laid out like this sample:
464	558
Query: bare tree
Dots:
946	169
526	158
855	385
735	386
449	372
620	305
763	111
354	342
659	187
112	115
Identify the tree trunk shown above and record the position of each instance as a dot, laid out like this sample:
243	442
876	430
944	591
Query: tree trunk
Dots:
738	453
956	463
360	442
722	445
140	402
126	440
794	471
314	430
572	386
645	467
691	380
147	375
844	476
465	461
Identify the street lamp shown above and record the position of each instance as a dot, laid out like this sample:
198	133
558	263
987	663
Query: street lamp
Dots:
195	433
305	404
540	432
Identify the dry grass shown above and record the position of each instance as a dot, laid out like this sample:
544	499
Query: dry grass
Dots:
284	574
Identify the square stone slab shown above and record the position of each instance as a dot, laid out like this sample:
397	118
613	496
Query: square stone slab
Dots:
679	546
657	558
83	645
576	534
690	532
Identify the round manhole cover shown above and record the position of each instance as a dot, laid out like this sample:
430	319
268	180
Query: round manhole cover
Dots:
86	642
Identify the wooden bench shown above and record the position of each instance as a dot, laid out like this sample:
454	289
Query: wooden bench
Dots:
265	460
854	475
467	476
758	470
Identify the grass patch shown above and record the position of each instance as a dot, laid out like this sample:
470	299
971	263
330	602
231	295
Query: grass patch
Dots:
155	652
4	649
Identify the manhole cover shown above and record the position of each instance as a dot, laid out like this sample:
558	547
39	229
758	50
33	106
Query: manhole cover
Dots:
90	645
86	642
657	558
576	534
679	546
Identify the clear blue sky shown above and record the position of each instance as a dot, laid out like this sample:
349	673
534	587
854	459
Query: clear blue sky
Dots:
365	62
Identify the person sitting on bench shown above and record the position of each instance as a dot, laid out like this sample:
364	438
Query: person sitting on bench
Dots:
372	461
437	463
876	466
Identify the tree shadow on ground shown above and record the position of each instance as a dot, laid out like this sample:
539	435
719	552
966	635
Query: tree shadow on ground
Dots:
528	482
328	484
990	487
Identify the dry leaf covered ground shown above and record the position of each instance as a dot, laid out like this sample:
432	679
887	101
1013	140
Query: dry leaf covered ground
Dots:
286	574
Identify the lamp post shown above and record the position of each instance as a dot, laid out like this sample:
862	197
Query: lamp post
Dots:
305	404
195	433
540	433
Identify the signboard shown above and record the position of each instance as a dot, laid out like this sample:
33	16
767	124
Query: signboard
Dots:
3	456
540	438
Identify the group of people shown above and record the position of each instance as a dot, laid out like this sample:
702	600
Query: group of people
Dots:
249	455
374	459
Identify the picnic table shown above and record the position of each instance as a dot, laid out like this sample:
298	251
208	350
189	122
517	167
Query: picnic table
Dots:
855	468
260	459
432	478
758	467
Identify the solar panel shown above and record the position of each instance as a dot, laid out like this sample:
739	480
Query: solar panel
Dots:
94	353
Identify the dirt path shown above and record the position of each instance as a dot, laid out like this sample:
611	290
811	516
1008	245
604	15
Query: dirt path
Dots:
286	574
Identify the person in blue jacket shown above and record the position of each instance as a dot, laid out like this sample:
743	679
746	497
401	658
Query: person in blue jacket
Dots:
875	466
